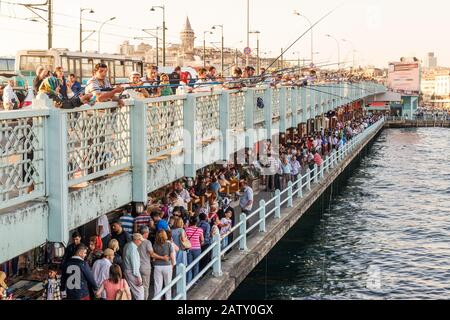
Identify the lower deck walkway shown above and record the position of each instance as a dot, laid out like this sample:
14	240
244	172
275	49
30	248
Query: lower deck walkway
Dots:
268	225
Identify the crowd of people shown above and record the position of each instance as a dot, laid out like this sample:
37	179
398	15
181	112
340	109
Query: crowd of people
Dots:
128	254
68	93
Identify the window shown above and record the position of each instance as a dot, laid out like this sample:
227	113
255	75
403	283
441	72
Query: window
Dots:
3	65
119	66
128	68
86	67
65	65
30	63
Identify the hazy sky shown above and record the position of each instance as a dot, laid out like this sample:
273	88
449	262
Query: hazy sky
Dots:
381	30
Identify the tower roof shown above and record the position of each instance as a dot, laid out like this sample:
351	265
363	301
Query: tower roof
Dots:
187	26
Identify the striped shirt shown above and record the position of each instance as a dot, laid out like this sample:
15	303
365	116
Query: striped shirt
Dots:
95	85
127	223
142	220
194	234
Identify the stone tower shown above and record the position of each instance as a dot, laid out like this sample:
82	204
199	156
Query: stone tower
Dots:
187	41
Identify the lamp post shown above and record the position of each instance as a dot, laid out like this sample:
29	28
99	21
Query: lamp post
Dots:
81	26
339	49
222	63
204	47
312	34
353	50
163	8
258	64
100	30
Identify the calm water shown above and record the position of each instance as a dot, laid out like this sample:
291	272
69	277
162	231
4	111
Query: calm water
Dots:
385	236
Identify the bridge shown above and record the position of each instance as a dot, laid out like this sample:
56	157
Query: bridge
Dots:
61	169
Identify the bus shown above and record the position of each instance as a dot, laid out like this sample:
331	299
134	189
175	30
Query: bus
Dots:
79	63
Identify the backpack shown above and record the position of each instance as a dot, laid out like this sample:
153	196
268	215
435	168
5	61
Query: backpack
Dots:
121	294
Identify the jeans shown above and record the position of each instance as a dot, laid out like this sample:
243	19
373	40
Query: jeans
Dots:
182	257
191	256
224	243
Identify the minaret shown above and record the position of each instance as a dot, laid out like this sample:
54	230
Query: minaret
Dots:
187	41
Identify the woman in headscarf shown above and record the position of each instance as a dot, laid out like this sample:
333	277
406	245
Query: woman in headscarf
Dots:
51	86
3	286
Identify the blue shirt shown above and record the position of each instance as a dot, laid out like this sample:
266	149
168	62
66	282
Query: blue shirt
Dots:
132	259
162	225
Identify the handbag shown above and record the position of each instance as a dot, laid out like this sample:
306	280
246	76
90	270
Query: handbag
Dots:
186	244
121	293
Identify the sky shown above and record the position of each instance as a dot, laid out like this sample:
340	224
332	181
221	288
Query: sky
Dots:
379	30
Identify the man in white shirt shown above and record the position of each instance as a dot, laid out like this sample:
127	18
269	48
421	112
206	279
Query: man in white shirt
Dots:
10	98
100	269
103	230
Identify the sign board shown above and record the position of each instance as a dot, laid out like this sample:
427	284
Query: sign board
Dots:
404	77
247	50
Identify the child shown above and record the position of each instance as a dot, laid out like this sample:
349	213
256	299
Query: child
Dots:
225	227
213	213
52	285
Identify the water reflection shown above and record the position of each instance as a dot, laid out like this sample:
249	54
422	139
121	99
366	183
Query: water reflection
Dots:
386	236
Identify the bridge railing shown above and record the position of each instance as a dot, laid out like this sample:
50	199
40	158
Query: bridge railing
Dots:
247	224
164	125
22	156
98	141
93	142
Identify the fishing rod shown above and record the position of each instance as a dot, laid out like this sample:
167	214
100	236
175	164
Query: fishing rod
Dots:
299	38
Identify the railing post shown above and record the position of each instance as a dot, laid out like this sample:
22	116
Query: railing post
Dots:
262	216
316	171
322	168
139	150
294	107
308	172
283	103
268	112
224	124
278	204
190	143
290	202
300	186
216	255
243	233
249	118
181	284
57	175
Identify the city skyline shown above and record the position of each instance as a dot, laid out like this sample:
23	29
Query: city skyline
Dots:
365	24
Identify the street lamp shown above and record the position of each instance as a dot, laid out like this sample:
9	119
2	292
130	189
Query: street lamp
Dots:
100	30
81	26
312	35
339	49
258	64
222	49
353	50
204	47
164	30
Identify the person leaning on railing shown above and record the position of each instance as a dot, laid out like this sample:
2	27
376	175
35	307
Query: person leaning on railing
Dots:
51	86
100	87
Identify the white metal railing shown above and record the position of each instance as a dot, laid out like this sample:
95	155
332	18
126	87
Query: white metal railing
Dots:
22	156
245	227
98	141
165	124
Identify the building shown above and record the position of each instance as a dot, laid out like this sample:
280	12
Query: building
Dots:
431	61
186	54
